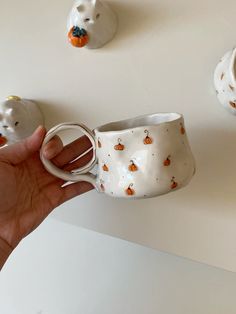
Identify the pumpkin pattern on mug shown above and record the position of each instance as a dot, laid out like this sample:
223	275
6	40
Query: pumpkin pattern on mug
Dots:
102	185
105	168
233	104
174	184
182	129
148	140
129	191
119	146
99	143
133	166
167	162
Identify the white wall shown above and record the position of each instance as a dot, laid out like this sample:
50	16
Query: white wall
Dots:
62	269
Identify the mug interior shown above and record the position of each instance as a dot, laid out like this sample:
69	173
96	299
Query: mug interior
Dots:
147	120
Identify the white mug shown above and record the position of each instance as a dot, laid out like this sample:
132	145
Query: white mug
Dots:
137	158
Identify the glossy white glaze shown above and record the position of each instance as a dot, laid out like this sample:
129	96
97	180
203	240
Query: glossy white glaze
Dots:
19	118
225	81
137	158
97	18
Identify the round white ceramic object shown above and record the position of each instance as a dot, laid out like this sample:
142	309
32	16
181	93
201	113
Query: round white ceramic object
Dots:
18	119
137	158
97	18
225	81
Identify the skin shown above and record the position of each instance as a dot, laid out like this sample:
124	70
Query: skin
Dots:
28	193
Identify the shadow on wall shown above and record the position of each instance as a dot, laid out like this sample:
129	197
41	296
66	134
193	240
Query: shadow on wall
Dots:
133	20
56	112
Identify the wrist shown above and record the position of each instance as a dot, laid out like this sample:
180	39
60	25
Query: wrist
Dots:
5	252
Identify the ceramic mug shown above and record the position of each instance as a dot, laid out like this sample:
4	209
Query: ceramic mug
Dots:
137	158
225	81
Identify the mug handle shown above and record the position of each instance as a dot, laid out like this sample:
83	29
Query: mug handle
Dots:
81	174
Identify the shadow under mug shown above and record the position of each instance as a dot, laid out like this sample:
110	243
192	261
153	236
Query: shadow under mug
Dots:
143	157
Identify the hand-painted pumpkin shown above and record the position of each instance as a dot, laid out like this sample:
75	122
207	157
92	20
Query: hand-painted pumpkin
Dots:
174	184
167	162
120	146
130	191
133	167
99	144
182	129
148	140
105	168
78	37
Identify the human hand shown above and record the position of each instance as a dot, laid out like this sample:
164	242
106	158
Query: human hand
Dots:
28	193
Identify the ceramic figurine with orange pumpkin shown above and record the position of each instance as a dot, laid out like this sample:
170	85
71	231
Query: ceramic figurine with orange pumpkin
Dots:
91	23
18	119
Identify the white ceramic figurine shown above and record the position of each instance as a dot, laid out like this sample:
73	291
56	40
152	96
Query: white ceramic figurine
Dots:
225	81
18	119
91	23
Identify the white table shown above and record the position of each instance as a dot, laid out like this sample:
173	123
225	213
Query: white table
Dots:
63	269
162	59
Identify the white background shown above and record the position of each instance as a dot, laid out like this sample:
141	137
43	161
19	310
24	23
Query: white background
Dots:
162	59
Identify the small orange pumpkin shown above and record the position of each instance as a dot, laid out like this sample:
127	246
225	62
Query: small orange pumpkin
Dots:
133	167
148	140
105	168
3	140
231	87
130	191
99	144
78	37
233	104
167	162
174	184
182	129
120	146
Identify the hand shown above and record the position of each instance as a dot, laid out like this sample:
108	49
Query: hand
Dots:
28	193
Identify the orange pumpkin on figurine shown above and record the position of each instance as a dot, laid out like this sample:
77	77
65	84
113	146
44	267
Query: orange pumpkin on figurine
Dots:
78	37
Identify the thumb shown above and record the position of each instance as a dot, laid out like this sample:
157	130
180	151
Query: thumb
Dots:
19	152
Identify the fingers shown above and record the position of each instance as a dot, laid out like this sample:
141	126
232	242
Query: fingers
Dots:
68	192
79	162
68	153
53	147
20	151
76	189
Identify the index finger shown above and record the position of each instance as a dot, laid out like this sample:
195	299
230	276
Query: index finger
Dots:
61	156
